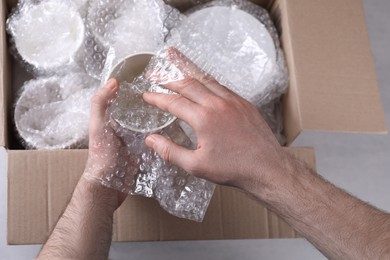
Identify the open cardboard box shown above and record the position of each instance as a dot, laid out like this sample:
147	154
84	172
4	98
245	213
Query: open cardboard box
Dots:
332	88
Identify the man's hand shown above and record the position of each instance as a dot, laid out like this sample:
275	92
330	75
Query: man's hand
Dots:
236	147
103	143
104	146
84	230
231	133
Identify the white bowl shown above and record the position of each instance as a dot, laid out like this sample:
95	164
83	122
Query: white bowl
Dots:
53	113
128	109
48	34
236	44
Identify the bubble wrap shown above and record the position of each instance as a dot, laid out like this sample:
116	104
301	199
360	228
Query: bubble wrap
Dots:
242	52
139	116
236	43
45	40
242	47
124	27
53	113
229	52
137	169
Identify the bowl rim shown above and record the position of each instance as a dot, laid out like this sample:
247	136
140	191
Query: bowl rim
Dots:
143	131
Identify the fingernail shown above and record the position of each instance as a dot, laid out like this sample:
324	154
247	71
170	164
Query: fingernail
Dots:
111	84
150	140
145	94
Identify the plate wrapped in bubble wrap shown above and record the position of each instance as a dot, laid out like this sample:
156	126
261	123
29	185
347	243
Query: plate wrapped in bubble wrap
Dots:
124	27
239	40
46	40
53	112
248	61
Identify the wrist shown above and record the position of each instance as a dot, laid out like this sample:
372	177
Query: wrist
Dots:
280	172
286	183
96	196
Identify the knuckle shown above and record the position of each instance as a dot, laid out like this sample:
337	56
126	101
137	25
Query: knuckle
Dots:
208	80
205	117
174	103
165	153
210	100
221	104
186	83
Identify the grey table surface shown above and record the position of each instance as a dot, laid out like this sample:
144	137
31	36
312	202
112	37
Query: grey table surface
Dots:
358	163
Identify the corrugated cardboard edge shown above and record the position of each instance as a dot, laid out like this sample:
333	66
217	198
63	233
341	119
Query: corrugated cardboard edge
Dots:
40	184
4	77
291	105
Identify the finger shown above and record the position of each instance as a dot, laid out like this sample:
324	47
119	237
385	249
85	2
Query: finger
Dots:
101	98
177	105
192	70
169	150
191	89
99	104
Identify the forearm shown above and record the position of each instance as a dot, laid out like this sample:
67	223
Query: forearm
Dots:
339	225
84	231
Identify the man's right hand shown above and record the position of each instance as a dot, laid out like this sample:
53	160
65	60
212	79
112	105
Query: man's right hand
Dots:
235	145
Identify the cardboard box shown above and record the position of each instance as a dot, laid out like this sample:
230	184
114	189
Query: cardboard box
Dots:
332	88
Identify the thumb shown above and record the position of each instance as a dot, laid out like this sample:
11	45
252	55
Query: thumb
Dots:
101	98
99	105
170	151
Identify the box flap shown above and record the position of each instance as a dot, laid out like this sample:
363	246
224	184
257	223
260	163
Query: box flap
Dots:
27	197
40	184
333	84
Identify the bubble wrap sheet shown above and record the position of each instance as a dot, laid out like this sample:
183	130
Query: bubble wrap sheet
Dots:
137	169
124	27
53	112
242	46
45	40
252	67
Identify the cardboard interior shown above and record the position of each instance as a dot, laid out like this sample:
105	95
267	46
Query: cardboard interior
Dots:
332	88
333	84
